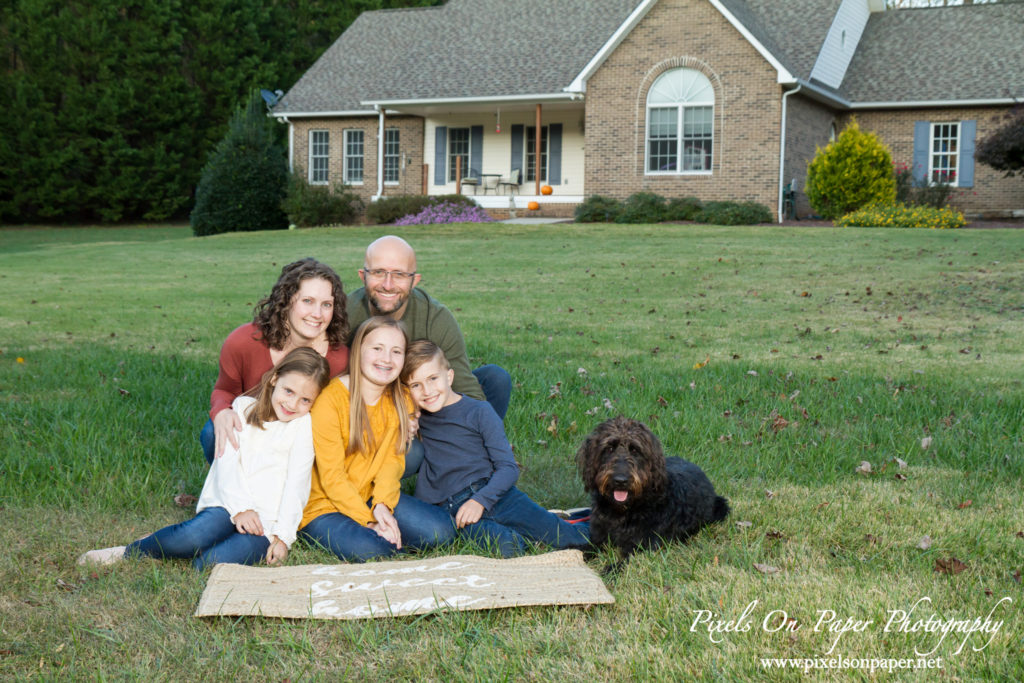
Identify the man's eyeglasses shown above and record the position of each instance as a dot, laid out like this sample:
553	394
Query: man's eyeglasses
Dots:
379	274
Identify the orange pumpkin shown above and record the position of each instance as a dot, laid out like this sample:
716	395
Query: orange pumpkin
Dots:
546	189
533	206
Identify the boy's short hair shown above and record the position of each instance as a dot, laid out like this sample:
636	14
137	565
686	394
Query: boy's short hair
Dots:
418	354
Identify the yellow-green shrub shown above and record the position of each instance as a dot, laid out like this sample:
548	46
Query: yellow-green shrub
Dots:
849	173
902	216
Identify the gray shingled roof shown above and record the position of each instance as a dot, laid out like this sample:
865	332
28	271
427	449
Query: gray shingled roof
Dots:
466	48
501	48
791	30
953	53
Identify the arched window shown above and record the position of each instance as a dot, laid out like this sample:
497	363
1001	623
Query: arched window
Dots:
680	123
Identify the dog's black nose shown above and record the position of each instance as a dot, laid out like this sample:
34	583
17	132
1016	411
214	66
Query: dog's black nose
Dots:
620	482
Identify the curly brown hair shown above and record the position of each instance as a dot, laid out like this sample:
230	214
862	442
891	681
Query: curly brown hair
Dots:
271	314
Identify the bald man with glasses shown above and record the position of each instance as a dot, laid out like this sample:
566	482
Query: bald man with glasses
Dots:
389	288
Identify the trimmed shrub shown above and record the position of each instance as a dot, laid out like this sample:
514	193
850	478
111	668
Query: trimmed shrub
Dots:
244	181
447	212
390	209
853	171
598	209
910	191
683	209
734	213
313	205
643	207
902	216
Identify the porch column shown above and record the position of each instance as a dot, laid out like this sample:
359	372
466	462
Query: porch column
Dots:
536	154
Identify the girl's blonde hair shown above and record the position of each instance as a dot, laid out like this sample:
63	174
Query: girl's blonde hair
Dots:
304	361
360	432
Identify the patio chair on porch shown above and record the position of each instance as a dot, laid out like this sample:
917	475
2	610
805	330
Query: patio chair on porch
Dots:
470	181
515	179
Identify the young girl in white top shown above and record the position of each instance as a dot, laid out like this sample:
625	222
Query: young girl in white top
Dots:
254	494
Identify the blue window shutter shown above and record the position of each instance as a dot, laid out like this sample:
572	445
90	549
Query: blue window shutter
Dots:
922	136
440	154
555	154
968	129
518	133
476	151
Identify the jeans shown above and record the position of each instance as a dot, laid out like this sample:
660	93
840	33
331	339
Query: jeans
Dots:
422	526
206	539
494	380
208	441
515	519
497	386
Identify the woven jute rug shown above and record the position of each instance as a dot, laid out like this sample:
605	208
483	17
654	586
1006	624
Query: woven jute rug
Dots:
399	588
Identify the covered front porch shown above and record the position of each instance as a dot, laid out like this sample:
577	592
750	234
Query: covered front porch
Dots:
490	150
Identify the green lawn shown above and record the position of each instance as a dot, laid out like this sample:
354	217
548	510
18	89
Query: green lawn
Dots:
778	359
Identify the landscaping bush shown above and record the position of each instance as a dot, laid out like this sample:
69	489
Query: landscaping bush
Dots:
598	209
390	209
683	209
447	212
643	207
853	171
910	191
312	205
243	183
733	213
902	216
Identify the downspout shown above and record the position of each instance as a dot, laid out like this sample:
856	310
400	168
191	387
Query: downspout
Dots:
380	152
782	145
291	143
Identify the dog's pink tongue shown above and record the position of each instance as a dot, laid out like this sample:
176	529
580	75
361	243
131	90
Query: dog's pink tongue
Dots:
620	496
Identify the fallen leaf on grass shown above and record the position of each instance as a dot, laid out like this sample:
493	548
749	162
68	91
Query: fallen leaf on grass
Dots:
775	535
900	477
1016	576
185	500
965	504
65	586
769	494
555	391
698	365
949	565
870	539
766	568
124	392
1020	534
901	463
725	438
607	404
744	524
926	442
553	427
864	468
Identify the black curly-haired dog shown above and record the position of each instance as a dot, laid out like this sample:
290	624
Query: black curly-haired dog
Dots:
640	498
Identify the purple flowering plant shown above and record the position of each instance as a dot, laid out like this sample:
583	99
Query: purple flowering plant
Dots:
446	212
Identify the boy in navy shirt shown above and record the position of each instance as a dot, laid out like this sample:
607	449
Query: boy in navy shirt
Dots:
468	467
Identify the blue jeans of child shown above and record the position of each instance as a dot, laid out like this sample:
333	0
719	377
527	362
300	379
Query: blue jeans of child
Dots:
206	539
494	380
515	519
422	525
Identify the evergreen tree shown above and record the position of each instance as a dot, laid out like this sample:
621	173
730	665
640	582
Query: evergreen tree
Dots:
1003	149
243	184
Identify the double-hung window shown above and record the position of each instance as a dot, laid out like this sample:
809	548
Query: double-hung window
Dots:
944	159
458	148
353	157
680	123
531	153
319	155
391	158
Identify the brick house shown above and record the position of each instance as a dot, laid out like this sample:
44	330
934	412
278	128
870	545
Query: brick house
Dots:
717	99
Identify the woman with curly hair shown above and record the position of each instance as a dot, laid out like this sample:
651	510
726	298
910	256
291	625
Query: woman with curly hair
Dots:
306	307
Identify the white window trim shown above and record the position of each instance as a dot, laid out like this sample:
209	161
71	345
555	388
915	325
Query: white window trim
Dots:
310	157
932	125
345	156
679	139
680	107
469	152
398	156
